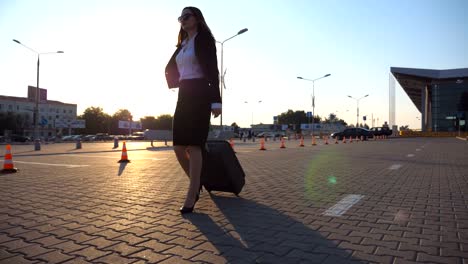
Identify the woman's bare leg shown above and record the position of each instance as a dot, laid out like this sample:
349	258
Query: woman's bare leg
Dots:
195	174
182	157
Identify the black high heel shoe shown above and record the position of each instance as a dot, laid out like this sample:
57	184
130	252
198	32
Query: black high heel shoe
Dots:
186	210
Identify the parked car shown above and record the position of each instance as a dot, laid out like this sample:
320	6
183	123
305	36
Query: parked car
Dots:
353	132
18	138
271	134
88	138
265	134
103	137
381	131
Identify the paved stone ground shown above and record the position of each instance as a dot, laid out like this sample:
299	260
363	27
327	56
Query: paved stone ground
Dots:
68	206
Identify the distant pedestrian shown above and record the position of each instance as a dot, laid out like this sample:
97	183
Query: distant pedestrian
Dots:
194	69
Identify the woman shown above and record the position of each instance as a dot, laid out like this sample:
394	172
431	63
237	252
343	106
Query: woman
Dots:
194	69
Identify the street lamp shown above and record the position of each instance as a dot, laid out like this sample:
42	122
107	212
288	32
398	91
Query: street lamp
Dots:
221	79
36	109
313	95
357	111
246	102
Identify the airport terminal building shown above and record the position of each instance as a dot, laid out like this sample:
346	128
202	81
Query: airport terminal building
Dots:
441	96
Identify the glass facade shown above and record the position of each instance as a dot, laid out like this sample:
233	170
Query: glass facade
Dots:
449	105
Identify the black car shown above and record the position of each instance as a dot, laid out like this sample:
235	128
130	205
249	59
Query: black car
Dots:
381	131
353	132
18	138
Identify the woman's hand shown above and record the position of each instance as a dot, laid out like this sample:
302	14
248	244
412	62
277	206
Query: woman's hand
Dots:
216	112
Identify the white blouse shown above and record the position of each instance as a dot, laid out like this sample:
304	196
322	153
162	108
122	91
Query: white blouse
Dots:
187	64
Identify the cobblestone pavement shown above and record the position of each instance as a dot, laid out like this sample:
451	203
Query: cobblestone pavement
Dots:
81	206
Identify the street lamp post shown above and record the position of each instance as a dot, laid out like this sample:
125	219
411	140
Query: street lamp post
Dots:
246	102
36	109
357	109
313	95
221	79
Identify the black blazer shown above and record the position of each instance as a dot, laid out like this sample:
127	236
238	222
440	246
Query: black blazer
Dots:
205	50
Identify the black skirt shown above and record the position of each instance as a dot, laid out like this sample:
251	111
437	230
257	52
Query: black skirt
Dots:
192	115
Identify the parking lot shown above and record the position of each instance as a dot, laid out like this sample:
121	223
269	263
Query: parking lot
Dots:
385	201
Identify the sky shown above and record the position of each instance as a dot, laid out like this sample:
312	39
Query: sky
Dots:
115	53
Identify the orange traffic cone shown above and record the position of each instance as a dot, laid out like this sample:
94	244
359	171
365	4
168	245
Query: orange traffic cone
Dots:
326	140
124	157
344	140
231	142
282	143
362	138
351	139
313	141
336	140
262	144
8	166
302	142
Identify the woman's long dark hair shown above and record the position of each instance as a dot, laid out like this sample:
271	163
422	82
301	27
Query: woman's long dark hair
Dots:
202	27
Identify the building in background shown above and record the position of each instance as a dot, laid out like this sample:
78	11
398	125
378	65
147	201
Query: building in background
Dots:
441	96
54	116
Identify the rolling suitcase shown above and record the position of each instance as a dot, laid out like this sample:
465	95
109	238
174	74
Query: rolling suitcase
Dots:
221	169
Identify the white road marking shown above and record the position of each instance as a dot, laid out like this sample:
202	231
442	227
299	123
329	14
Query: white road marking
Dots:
418	149
52	164
395	167
108	157
342	206
410	155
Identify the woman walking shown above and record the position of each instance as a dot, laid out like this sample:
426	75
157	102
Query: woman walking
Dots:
194	69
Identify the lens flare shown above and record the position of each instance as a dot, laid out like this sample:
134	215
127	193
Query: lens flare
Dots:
322	175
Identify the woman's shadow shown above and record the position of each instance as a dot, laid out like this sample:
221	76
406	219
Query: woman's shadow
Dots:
249	232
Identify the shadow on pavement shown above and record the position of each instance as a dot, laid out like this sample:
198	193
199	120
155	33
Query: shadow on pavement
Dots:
255	233
164	148
122	168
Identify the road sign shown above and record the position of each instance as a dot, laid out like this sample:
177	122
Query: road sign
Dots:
126	124
78	123
44	122
364	118
309	114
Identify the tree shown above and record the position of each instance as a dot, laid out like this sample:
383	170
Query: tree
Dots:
148	122
96	120
333	119
292	117
296	118
236	127
16	122
164	122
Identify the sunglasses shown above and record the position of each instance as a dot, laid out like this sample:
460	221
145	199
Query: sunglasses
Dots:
184	17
